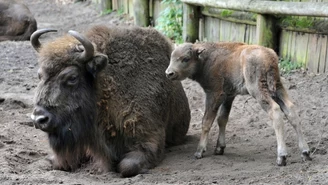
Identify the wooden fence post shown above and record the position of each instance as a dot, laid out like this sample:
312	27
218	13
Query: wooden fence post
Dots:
141	12
106	5
201	34
190	23
126	6
266	31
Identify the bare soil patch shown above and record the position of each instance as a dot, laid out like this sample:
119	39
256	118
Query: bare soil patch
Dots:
251	144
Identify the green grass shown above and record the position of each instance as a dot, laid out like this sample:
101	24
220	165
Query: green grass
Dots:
106	12
226	13
120	11
286	66
298	22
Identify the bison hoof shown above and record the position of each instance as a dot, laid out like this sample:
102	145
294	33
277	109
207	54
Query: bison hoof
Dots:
198	155
53	162
306	156
219	151
282	161
130	167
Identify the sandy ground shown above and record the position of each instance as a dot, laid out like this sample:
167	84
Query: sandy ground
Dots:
251	144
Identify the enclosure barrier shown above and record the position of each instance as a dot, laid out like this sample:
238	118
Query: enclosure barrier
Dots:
309	49
205	20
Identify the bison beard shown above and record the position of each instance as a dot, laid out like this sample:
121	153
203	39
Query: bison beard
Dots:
105	96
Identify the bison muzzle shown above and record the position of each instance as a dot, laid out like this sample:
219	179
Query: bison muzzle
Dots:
104	95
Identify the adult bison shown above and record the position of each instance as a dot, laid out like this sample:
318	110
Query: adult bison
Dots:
226	70
104	95
16	21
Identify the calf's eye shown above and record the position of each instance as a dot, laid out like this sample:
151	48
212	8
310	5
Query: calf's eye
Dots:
185	60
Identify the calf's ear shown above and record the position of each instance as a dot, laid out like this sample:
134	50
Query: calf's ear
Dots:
199	52
98	63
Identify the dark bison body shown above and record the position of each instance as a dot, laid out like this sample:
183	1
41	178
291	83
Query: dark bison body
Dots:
16	21
106	97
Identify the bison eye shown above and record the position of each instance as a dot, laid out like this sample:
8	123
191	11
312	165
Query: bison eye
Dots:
185	60
72	80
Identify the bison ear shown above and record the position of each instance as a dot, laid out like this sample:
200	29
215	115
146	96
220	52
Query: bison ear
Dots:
199	53
98	63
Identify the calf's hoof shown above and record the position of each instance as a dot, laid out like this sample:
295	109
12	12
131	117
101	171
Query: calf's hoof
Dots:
198	155
219	151
281	161
306	156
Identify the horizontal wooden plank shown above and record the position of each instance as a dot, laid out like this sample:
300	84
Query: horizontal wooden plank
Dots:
318	9
237	17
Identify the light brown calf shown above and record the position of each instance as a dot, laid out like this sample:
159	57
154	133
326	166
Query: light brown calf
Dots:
225	70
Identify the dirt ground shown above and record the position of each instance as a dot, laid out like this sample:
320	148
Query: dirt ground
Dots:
251	144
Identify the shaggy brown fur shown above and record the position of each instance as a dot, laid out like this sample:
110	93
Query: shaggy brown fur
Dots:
118	107
225	70
16	21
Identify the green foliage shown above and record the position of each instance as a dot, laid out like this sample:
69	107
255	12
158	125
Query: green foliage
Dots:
169	21
253	16
120	11
286	66
226	13
298	22
106	12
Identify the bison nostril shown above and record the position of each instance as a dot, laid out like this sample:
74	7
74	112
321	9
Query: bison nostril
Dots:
170	74
42	120
41	116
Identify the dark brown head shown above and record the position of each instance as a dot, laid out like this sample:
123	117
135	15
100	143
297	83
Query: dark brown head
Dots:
184	62
65	101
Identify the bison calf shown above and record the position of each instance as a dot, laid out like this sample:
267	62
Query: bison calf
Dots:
104	95
16	21
225	70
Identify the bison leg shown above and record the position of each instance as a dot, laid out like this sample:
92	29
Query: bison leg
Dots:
273	109
133	164
289	110
211	108
224	112
145	156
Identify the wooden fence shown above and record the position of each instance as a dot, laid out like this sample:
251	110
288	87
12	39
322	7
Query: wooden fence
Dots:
308	48
249	21
128	7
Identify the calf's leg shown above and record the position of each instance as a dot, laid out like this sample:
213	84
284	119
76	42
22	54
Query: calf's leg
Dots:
273	109
224	112
289	110
211	108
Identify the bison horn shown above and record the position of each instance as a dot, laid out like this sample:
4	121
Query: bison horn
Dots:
88	47
35	37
